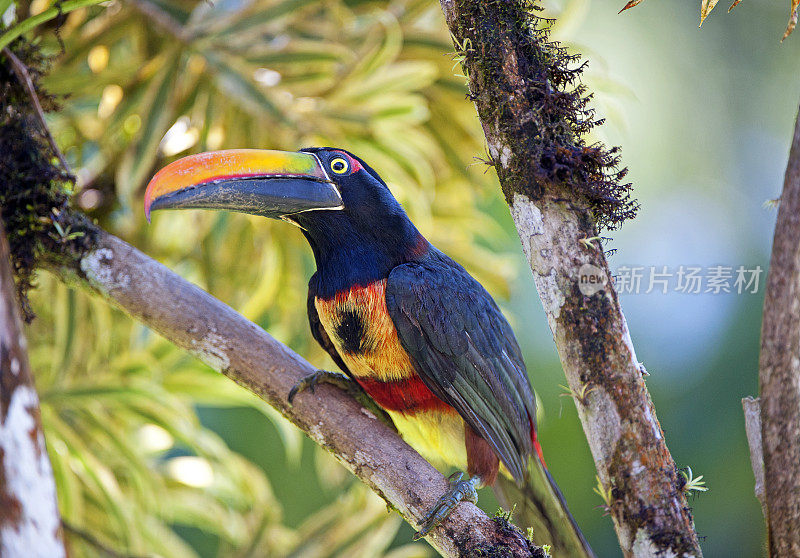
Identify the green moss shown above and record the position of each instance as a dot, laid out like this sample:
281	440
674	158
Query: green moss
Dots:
34	190
509	543
527	91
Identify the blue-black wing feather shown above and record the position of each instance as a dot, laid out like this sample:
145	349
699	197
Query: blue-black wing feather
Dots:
465	352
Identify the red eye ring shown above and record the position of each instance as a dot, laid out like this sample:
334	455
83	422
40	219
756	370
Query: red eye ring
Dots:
353	166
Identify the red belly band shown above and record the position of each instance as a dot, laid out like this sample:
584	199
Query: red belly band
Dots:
407	395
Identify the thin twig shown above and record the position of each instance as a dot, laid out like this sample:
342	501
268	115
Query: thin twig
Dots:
24	77
752	427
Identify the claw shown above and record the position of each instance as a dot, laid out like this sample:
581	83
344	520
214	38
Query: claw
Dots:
325	376
460	490
343	382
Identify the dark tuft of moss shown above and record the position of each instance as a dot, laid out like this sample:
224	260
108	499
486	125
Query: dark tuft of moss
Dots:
528	88
34	189
509	543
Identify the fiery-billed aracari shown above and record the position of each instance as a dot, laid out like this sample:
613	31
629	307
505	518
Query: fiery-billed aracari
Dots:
410	325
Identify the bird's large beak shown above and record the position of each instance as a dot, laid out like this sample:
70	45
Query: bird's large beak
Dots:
259	182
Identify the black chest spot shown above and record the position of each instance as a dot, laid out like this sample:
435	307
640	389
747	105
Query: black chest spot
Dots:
351	331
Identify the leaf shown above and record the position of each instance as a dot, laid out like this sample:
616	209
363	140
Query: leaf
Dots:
4	4
792	20
735	3
630	4
401	76
307	53
141	158
252	19
164	541
93	473
27	24
705	8
231	81
379	56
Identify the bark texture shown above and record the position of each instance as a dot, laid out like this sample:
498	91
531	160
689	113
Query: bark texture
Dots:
752	427
534	115
229	343
30	524
779	369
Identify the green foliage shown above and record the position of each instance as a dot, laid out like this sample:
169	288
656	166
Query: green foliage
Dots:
691	483
129	455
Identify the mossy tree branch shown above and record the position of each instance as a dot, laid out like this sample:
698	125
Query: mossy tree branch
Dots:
779	369
534	115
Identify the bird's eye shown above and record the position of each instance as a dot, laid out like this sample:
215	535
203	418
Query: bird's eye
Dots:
339	165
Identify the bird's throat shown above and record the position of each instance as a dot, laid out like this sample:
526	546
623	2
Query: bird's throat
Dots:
348	256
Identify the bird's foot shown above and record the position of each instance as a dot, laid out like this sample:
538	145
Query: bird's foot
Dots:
344	383
326	377
460	490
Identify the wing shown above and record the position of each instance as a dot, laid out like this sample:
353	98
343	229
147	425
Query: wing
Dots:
465	352
318	331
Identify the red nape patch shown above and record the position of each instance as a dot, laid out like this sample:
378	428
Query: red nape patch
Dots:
407	395
355	166
420	247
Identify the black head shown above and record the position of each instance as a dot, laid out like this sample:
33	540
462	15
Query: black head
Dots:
357	229
369	235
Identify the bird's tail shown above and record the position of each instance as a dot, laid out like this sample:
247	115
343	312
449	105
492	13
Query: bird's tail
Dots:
540	505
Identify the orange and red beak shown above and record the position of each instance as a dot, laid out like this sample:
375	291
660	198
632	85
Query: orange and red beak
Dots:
259	182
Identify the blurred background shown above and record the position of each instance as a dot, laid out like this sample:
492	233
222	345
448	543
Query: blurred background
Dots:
154	454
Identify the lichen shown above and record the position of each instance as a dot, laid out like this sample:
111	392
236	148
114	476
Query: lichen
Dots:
28	485
535	111
630	454
34	189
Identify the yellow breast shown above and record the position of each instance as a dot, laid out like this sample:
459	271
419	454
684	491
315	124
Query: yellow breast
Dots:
360	327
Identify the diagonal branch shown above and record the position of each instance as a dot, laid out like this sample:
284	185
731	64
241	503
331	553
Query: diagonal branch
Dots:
534	116
225	340
29	520
779	369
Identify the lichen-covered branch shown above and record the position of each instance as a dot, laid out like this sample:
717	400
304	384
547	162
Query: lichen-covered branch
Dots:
30	524
225	340
779	369
534	115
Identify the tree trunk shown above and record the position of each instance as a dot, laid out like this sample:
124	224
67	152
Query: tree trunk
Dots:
558	188
30	525
779	369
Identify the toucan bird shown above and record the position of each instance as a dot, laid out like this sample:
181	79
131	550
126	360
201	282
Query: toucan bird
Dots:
417	332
